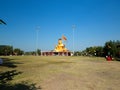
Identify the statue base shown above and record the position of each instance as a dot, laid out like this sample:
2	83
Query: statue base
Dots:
56	53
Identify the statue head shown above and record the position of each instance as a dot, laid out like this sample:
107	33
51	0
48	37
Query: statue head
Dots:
60	41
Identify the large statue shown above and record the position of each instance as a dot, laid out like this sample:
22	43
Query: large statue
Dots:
61	47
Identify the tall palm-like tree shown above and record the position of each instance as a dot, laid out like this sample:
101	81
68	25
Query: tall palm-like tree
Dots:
2	22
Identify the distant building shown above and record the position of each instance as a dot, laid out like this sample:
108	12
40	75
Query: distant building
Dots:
59	50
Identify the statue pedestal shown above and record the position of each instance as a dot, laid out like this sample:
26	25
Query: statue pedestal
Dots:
59	50
56	53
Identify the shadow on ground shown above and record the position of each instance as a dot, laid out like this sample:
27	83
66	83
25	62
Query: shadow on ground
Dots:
9	63
6	77
118	59
19	86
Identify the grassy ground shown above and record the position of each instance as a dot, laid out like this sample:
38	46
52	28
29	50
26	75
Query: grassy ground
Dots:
60	73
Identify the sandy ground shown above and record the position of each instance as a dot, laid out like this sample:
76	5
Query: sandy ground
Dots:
66	73
85	75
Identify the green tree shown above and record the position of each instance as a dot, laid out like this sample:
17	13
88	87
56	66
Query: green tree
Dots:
17	51
91	51
99	51
110	48
94	51
77	53
6	50
38	51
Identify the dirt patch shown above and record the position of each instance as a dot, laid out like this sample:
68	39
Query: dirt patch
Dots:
66	81
85	75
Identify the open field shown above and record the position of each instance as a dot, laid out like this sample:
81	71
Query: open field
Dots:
59	73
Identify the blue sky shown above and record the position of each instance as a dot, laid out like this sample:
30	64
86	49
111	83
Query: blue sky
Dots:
96	21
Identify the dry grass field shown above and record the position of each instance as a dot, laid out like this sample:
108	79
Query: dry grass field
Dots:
59	73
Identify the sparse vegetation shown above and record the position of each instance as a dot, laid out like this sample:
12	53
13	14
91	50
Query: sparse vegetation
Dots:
62	73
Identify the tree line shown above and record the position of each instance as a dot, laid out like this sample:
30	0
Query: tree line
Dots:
110	48
7	50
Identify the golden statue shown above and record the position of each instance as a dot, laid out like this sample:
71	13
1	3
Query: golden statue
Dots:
61	47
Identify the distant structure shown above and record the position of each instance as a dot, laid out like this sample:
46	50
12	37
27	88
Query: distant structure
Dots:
59	50
60	47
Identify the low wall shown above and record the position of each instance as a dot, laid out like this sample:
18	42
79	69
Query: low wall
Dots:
56	53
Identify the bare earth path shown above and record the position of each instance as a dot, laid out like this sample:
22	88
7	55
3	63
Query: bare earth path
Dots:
68	73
